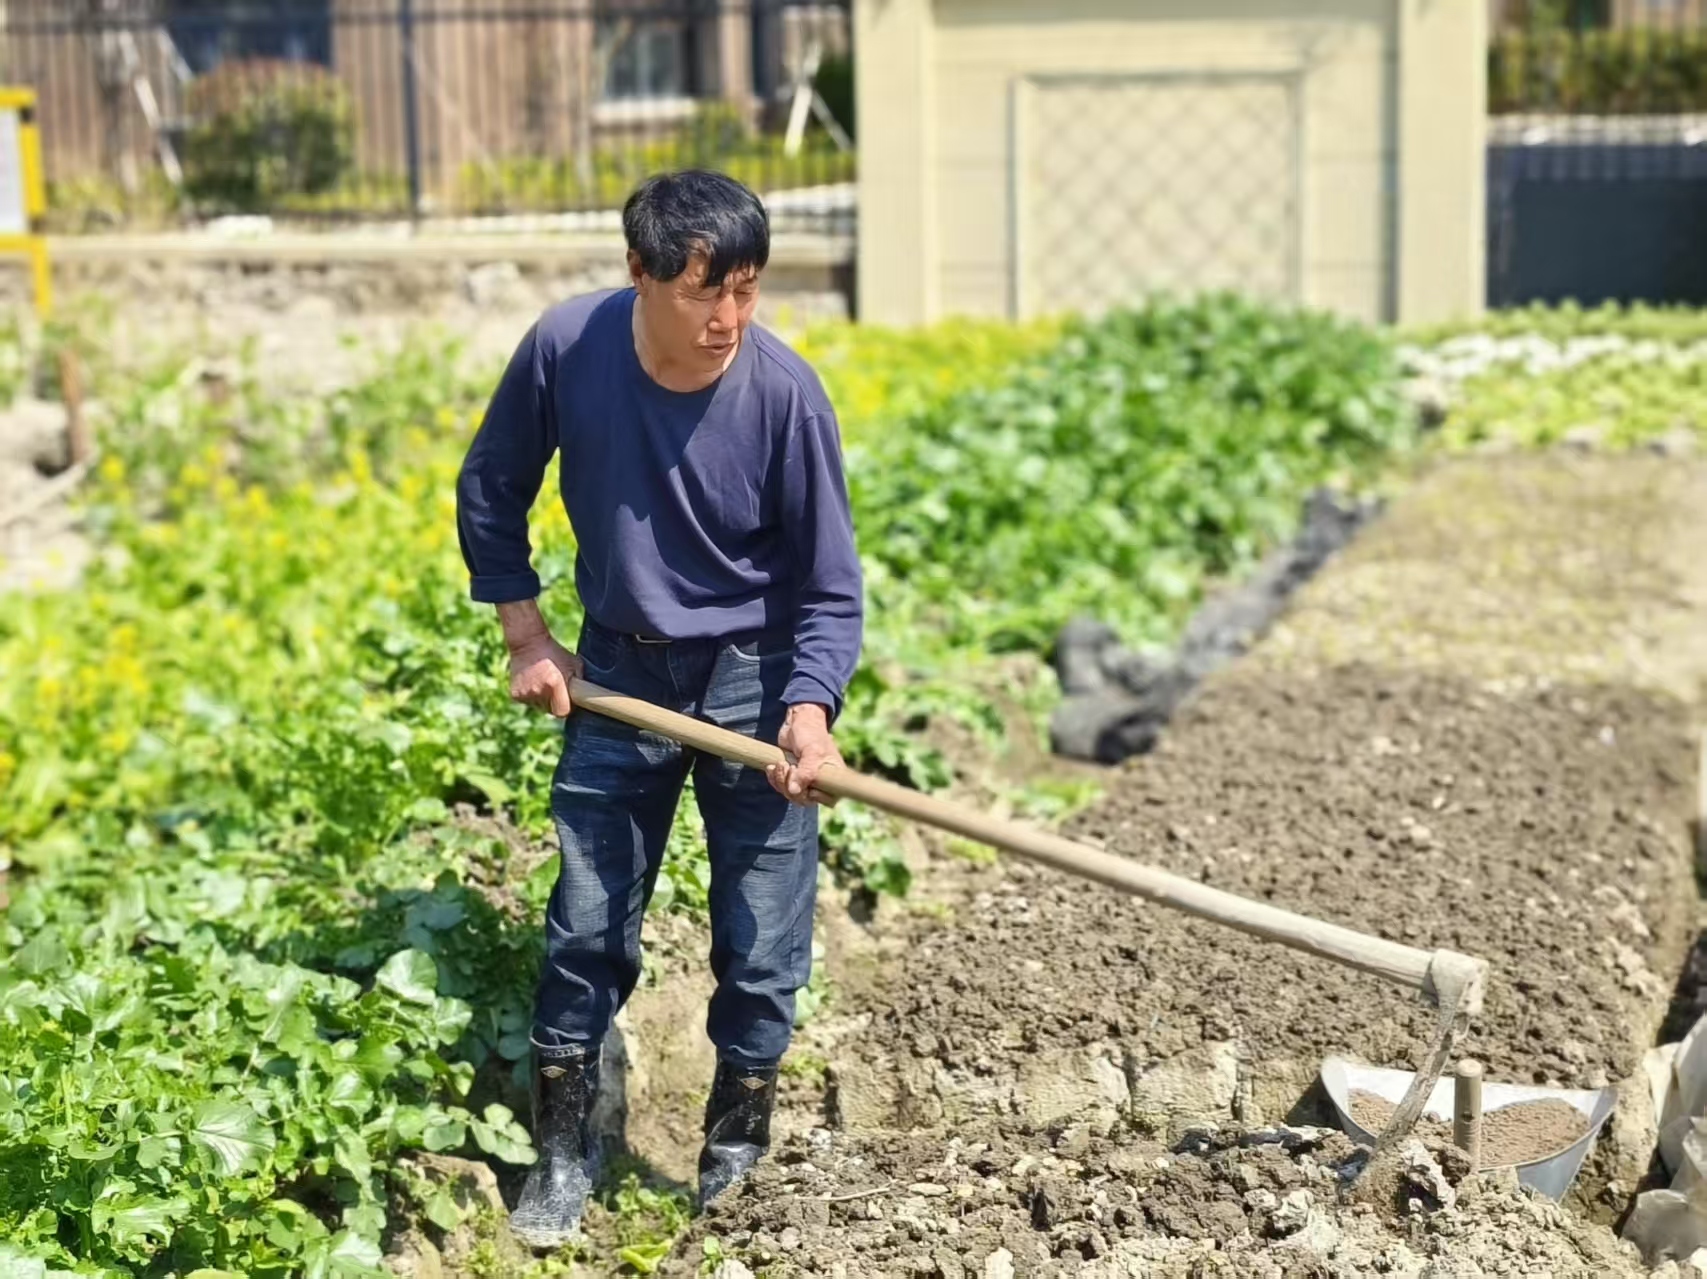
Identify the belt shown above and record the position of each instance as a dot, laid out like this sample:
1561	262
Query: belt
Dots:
760	633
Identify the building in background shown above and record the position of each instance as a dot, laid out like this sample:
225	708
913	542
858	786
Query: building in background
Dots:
1027	156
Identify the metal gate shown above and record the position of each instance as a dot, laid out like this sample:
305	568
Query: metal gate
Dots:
1597	153
1134	183
1600	211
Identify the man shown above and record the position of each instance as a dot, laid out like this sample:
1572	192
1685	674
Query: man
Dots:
702	473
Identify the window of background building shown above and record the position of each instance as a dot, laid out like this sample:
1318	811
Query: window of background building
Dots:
208	32
648	58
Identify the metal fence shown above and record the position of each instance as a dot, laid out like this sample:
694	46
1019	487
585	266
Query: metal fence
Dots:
544	110
1597	152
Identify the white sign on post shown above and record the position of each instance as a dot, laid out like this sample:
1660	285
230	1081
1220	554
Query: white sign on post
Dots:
14	204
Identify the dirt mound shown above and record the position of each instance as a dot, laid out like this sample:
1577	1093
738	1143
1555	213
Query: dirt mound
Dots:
1541	831
996	1200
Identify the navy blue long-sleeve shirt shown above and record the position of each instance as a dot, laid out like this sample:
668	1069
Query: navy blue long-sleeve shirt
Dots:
698	514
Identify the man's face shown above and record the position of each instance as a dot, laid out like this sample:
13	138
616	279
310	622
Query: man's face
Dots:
694	324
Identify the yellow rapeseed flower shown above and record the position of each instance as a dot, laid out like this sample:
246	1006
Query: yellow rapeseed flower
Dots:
193	476
127	673
446	418
112	468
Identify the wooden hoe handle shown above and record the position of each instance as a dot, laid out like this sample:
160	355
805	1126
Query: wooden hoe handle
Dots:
1443	975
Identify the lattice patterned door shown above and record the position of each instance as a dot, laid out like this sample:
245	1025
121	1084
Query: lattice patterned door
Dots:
1128	184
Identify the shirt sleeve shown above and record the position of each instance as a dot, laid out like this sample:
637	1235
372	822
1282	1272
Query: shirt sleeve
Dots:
818	523
501	475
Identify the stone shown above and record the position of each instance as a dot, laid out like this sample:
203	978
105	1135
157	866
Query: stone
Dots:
1423	1179
731	1269
1293	1213
1318	1235
415	1258
472	1183
998	1265
1111	1082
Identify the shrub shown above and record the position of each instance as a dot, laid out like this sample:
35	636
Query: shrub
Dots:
716	130
717	138
266	129
1621	72
835	84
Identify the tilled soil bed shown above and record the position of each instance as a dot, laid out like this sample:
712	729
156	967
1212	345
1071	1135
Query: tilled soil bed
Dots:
1541	830
1503	766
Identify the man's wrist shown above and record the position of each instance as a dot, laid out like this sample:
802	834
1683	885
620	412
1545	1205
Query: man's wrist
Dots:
524	625
815	711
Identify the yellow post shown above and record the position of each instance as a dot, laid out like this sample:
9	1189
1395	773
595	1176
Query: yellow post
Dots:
43	276
23	189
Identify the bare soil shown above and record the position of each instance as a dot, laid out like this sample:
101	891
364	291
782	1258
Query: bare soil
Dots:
1542	832
998	1199
1501	764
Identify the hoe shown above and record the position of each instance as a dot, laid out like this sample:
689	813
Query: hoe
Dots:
1452	982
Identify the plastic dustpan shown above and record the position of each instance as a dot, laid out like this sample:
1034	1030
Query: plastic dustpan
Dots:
1551	1175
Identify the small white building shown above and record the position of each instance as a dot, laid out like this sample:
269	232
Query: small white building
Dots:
1020	157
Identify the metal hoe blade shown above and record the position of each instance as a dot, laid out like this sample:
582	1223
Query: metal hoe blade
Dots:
1456	982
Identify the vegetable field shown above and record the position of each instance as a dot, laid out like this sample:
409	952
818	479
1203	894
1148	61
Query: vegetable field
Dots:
274	839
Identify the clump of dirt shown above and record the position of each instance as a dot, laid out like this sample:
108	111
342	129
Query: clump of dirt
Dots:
999	1200
1541	830
1515	1134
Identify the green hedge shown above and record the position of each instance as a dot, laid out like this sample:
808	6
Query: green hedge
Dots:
1629	72
716	137
266	130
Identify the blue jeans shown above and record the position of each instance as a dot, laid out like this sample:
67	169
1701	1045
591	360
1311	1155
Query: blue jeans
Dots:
614	799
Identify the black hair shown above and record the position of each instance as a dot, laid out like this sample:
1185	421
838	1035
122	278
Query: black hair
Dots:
671	215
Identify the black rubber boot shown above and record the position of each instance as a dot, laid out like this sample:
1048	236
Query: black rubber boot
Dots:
737	1126
565	1082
